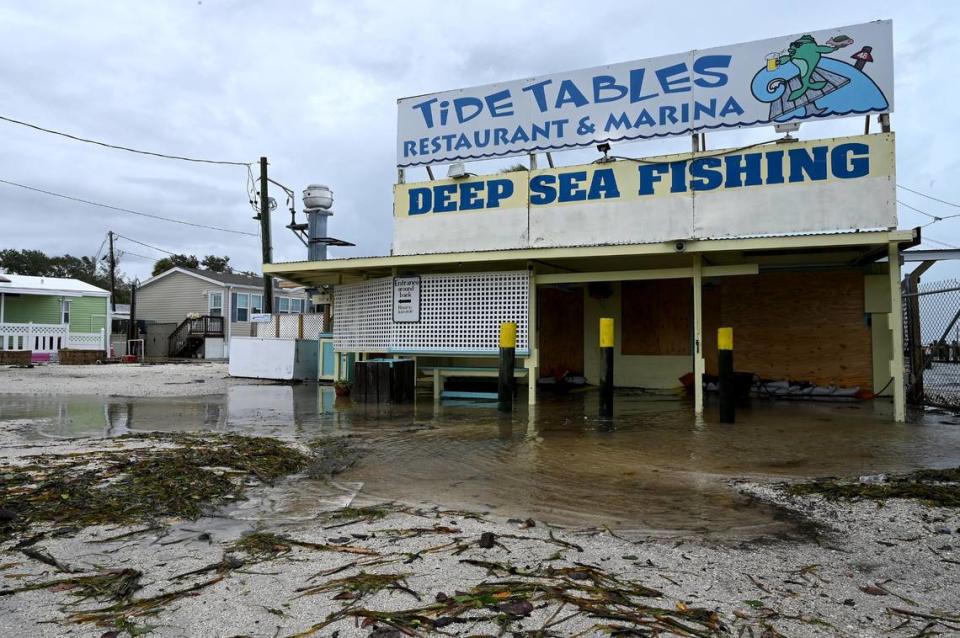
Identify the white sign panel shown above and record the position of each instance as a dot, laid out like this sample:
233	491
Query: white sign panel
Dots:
261	317
824	185
813	75
406	299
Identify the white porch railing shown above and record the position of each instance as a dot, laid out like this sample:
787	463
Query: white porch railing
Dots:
47	338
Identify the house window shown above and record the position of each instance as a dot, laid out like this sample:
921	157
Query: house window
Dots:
256	304
65	312
215	307
241	306
296	306
283	305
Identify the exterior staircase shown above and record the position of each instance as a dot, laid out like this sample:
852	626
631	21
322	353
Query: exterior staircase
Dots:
188	338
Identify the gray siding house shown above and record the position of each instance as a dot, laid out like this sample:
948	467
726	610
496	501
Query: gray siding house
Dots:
165	301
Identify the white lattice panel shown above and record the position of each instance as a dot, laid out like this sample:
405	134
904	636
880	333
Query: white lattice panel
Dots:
459	313
290	326
85	341
363	316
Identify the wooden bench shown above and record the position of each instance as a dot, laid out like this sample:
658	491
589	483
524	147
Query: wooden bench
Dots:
440	373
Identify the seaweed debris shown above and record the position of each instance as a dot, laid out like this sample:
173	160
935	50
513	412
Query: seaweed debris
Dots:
265	545
116	585
933	487
585	590
180	476
360	585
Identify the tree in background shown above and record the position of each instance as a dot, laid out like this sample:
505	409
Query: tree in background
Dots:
175	261
213	263
216	264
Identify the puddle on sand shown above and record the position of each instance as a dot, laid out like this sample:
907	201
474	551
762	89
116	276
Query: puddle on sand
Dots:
657	469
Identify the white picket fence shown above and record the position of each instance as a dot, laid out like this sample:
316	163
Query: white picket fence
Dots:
280	326
47	338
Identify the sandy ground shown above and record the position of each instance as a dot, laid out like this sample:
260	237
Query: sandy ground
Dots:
872	570
129	380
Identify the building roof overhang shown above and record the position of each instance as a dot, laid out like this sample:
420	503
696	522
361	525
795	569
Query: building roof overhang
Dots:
822	249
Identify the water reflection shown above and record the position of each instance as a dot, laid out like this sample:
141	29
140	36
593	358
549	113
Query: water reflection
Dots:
658	468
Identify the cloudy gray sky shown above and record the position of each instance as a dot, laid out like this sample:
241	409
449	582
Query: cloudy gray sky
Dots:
313	86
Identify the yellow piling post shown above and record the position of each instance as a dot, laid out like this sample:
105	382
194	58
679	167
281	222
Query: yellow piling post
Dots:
607	336
728	390
508	355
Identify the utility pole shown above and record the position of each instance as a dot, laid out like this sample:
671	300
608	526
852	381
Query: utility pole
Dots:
113	275
265	237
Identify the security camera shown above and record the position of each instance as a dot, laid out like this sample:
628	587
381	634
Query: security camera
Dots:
680	246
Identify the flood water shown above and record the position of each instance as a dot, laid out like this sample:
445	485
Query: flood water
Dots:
654	468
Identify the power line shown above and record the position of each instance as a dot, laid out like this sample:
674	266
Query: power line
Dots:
126	253
97	256
942	201
935	218
127	210
937	241
121	148
136	241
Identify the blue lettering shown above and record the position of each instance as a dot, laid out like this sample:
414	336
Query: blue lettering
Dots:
774	167
569	186
704	173
539	93
603	185
615	122
520	135
570	94
636	86
669	80
678	177
710	108
443	201
814	166
732	106
470	195
703	67
542	190
421	200
736	170
850	160
603	83
499	105
498	189
426	111
409	148
462	103
649	174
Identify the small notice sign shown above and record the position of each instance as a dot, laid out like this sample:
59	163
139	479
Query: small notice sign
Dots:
260	317
406	299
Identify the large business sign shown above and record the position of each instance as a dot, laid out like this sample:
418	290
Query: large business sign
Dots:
782	188
814	75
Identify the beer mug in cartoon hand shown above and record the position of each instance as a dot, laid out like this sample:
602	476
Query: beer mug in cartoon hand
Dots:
773	61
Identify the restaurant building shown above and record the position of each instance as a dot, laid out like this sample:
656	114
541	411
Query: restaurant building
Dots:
792	243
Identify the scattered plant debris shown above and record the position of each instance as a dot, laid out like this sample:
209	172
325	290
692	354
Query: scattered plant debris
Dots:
933	487
180	476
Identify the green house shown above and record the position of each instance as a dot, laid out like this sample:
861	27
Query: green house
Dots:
46	314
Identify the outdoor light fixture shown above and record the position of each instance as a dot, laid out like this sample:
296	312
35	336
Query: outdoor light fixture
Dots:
604	148
457	170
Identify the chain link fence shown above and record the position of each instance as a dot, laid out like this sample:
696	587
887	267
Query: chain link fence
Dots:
932	343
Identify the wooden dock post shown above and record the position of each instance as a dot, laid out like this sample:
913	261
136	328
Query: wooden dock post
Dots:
508	357
606	367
